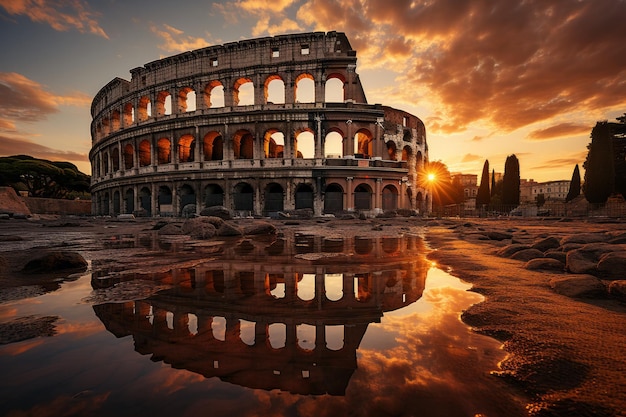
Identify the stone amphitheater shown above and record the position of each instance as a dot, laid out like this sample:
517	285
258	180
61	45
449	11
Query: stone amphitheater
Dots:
260	126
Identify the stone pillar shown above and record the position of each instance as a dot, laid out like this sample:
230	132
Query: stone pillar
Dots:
290	91
348	147
228	92
349	203
378	197
320	87
259	90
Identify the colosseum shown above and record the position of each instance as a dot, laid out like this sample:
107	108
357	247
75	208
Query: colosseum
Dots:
260	126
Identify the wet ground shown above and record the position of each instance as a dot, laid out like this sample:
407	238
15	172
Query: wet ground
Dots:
320	319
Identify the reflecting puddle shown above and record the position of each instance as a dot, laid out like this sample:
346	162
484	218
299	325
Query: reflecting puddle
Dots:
310	327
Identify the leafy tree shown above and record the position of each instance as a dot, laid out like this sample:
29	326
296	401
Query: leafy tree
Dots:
511	181
443	189
574	185
42	178
599	165
483	197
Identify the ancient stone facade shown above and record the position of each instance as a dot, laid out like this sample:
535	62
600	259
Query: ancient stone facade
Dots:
259	126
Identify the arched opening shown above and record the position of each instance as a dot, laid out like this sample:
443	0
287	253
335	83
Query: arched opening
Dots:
306	287
129	156
105	205
304	91
391	150
164	153
145	109
274	144
163	104
419	202
214	281
363	143
214	94
115	159
243	92
363	246
243	197
274	198
164	199
274	90
186	148
407	136
277	335
187	197
128	114
406	153
419	161
305	334
213	195
129	201
390	244
115	120
304	197
105	162
145	201
333	284
363	287
186	100
333	199
218	328
247	332
213	147
363	197
390	198
106	127
116	203
334	335
334	91
304	145
145	154
333	145
243	145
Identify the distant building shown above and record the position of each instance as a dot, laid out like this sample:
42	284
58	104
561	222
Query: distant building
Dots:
470	188
551	190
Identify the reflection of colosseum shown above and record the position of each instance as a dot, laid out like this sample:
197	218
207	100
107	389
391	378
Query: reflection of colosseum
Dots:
282	324
258	126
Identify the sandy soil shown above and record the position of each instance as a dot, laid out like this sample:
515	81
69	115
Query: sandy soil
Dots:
566	356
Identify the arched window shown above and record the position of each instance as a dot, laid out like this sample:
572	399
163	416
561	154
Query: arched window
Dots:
334	91
213	147
363	143
243	145
186	100
333	198
214	94
274	144
115	159
305	144
164	155
243	92
304	89
163	104
128	114
145	153
129	156
390	198
186	148
145	109
274	90
391	150
333	145
363	197
115	120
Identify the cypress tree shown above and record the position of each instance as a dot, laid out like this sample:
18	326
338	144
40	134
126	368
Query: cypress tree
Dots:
511	181
493	183
599	165
483	197
574	185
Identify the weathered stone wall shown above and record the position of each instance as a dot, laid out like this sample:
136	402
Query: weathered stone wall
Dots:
57	206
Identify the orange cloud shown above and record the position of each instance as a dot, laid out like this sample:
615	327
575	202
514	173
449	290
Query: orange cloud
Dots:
61	15
471	158
504	64
569	161
16	146
175	40
560	130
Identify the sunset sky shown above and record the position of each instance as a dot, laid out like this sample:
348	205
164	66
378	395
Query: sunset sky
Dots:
489	78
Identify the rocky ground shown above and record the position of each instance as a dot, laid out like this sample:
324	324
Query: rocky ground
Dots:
554	289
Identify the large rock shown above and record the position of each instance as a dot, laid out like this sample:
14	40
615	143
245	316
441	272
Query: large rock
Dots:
578	286
495	235
546	244
584	260
612	266
199	228
545	264
217	211
55	261
229	229
259	228
557	254
508	251
586	238
527	254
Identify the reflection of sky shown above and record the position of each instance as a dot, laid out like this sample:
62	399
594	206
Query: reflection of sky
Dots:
420	359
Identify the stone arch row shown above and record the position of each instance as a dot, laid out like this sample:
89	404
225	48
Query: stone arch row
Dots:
242	197
146	152
276	88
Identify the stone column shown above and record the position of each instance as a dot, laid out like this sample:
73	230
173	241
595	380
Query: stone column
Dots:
349	204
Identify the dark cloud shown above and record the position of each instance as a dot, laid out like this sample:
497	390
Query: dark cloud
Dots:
556	131
508	63
14	146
